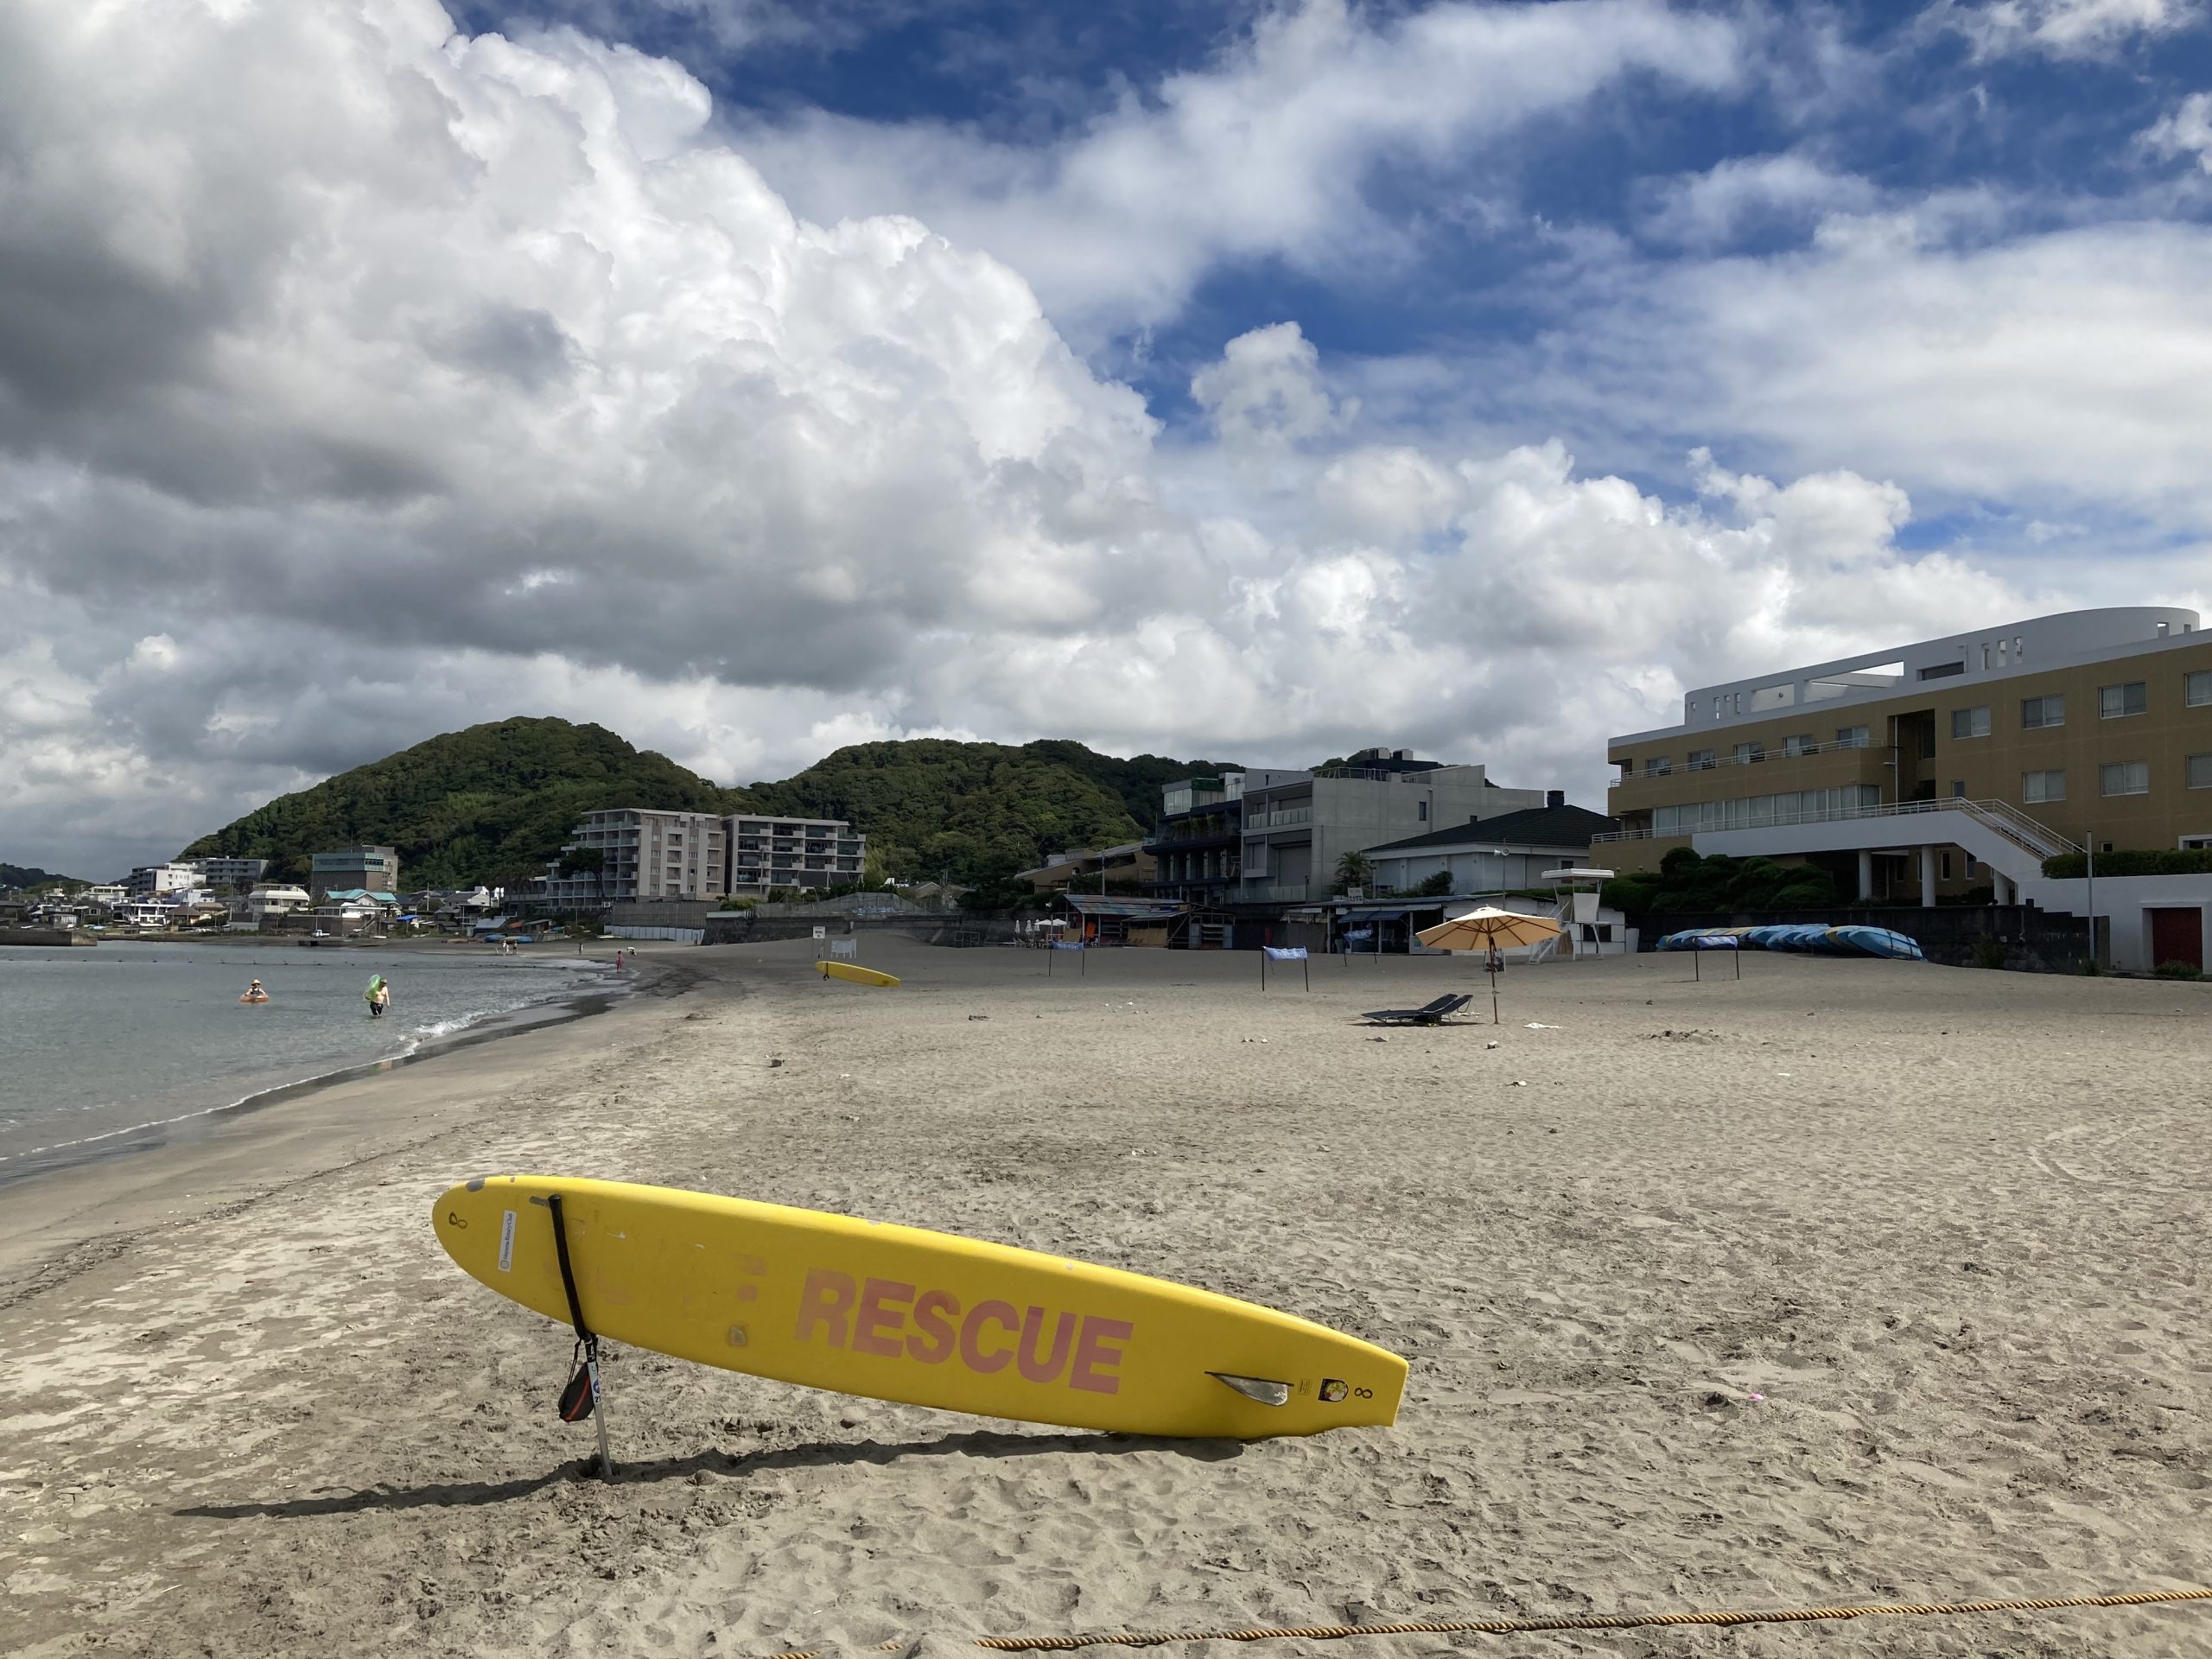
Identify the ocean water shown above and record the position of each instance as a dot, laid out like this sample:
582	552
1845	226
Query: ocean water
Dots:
123	1046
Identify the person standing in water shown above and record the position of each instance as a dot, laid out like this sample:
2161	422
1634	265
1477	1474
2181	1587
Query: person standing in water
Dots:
378	996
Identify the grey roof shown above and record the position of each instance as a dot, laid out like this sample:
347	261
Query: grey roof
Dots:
1560	828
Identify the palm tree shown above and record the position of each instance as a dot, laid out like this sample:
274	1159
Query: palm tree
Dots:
1353	871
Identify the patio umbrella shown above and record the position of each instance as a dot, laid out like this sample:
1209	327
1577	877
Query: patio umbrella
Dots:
1490	930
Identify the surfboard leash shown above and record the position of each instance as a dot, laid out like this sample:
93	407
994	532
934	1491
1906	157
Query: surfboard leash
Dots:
1535	1626
583	1391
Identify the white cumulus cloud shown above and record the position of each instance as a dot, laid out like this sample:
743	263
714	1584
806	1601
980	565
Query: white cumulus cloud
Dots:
360	379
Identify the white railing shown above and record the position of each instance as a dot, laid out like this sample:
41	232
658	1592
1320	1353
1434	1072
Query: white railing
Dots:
2000	816
1282	893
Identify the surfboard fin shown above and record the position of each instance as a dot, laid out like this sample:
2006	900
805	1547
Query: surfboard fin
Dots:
1255	1387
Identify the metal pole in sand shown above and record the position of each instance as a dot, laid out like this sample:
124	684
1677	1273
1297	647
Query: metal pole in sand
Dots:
2089	849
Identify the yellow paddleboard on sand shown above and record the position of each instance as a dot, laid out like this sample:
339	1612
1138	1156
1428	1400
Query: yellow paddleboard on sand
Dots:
854	972
925	1318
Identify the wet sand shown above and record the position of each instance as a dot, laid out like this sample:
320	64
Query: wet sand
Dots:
1948	1226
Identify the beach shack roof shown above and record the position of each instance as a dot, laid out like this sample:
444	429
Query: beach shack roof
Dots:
1141	909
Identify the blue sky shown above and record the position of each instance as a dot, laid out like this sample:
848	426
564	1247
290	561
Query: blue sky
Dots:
1256	381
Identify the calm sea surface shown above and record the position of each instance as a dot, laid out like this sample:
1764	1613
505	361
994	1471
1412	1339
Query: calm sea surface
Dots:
125	1046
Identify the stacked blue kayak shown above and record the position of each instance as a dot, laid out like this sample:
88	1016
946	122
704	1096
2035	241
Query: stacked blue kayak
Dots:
1800	938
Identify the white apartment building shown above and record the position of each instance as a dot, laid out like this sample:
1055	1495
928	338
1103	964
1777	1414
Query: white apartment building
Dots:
645	854
769	853
229	872
158	880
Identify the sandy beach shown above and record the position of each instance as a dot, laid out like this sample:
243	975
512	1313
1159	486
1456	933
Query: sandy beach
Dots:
1849	1281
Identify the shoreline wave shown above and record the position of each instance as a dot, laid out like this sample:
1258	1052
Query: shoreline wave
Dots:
571	1003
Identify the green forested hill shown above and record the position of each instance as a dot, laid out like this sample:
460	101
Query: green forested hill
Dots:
978	812
29	875
494	802
490	804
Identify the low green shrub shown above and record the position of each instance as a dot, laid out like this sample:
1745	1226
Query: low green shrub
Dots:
1989	953
2154	860
2178	970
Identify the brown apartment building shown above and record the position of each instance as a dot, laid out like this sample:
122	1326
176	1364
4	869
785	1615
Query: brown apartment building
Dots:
1946	764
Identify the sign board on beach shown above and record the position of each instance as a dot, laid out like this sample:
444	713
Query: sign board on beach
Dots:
844	948
821	932
1286	952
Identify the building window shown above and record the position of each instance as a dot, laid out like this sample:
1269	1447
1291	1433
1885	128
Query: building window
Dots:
1946	871
2124	777
2037	713
1423	805
1803	743
1958	789
2196	689
1700	759
1851	737
2043	786
1942	670
1658	765
2116	701
1970	722
2199	772
1750	754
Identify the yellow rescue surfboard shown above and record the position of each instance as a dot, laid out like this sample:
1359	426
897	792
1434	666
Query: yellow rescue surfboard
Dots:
899	1314
854	972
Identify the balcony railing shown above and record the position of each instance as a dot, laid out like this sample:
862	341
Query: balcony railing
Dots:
2003	817
1759	759
1278	893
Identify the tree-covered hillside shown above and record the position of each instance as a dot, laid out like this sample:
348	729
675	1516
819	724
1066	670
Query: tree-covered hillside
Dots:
490	804
29	875
977	811
494	802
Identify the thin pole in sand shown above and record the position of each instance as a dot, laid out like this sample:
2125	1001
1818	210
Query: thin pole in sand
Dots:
585	1339
2089	849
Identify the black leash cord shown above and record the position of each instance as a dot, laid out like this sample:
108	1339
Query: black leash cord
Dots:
568	1274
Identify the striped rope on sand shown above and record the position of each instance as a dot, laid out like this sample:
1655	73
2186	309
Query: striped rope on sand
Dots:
1563	1622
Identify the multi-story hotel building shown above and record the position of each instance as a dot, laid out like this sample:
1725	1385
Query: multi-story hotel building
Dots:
769	853
643	853
1941	764
372	869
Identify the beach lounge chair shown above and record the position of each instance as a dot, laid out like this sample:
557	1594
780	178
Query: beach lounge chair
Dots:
1432	1015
